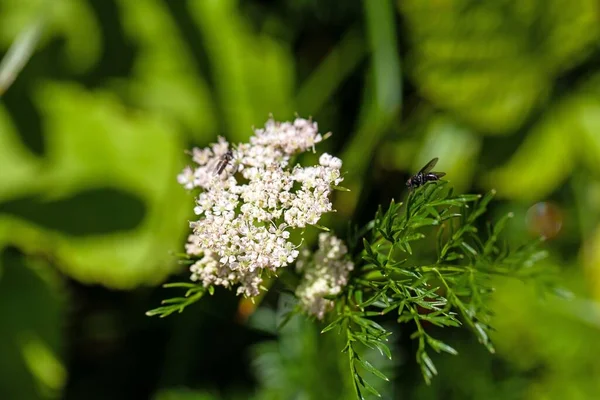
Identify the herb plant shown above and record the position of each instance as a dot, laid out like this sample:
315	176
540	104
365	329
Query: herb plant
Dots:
451	289
384	271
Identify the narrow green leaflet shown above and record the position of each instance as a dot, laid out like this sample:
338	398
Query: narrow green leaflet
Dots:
451	291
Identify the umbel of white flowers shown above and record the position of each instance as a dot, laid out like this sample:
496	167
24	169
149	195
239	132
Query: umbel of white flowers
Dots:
245	212
325	274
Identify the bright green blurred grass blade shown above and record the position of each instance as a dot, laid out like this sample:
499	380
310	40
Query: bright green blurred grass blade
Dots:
381	28
42	362
253	74
19	53
339	64
382	99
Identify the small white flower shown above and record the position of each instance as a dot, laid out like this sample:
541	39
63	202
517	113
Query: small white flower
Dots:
186	178
326	275
330	161
201	156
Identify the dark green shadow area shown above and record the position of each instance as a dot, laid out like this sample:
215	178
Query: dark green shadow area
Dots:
91	212
30	309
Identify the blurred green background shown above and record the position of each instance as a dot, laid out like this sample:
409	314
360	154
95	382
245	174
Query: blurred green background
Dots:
93	132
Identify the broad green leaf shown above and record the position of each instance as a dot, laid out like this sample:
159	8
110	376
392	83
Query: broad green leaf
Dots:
93	142
491	62
567	135
166	78
541	163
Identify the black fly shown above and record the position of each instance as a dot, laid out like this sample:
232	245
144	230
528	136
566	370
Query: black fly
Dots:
224	161
424	176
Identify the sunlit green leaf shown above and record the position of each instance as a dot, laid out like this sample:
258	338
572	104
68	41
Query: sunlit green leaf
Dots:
93	142
253	73
480	60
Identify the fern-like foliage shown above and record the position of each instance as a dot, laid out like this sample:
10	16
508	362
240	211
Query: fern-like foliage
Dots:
193	293
447	290
448	287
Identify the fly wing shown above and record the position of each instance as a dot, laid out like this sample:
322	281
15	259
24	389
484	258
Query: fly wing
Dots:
428	166
222	162
213	165
220	166
439	174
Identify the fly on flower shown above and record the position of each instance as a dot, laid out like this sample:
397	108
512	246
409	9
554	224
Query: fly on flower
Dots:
424	176
242	233
223	162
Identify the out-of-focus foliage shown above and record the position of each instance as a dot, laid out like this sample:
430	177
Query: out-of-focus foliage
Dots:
546	351
96	153
567	136
493	62
92	133
295	364
31	339
494	65
449	292
557	343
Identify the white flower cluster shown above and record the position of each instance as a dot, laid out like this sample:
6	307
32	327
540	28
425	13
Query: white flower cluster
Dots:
325	275
251	199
